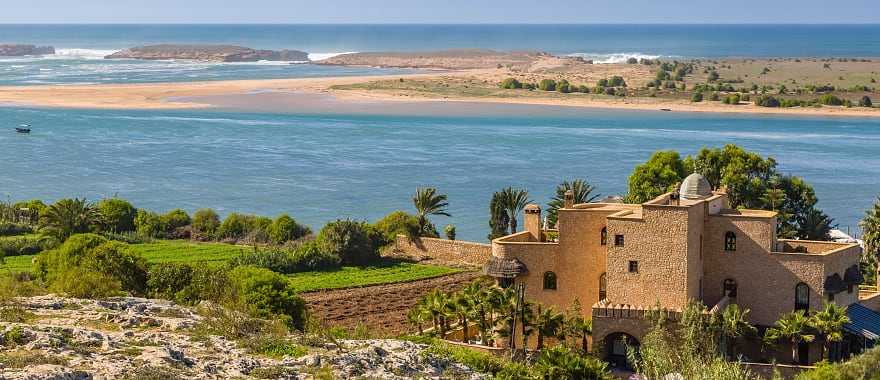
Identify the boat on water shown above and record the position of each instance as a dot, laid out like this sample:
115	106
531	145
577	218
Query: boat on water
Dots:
24	128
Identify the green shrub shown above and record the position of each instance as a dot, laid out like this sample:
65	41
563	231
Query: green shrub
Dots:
602	82
268	295
616	81
865	101
830	100
205	222
79	282
310	257
732	99
14	337
561	363
511	84
547	85
697	97
118	261
864	366
353	242
92	253
766	101
50	264
169	281
175	219
148	223
276	260
188	284
284	229
24	245
118	214
610	91
237	226
12	229
563	86
397	223
450	231
713	76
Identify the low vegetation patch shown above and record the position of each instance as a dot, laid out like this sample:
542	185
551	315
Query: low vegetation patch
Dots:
22	359
347	277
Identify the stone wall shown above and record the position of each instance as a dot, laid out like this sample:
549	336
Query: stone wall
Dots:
442	251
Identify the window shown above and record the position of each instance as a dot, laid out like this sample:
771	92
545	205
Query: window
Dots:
603	294
603	236
633	267
730	288
549	281
618	240
730	241
802	297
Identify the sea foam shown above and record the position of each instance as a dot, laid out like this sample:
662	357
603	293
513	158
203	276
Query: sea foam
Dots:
613	57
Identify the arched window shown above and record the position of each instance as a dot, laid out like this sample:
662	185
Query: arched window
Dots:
730	241
730	288
802	297
550	280
603	236
603	294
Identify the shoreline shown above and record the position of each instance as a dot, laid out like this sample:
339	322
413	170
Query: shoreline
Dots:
244	95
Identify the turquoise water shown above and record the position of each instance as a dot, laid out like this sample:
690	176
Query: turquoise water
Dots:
80	48
319	167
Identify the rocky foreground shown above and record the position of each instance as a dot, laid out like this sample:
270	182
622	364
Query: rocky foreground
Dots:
25	50
136	338
209	53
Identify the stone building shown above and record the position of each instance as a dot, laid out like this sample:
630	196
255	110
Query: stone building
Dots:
619	260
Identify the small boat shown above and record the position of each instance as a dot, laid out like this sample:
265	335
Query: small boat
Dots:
24	128
665	109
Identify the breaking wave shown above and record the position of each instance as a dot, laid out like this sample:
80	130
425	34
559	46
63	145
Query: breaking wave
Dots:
613	57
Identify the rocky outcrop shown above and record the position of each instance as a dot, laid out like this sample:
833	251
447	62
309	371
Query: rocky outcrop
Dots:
23	50
209	53
52	337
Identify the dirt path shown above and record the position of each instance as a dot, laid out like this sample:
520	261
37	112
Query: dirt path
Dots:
380	308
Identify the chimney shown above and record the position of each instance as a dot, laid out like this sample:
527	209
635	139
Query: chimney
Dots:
569	199
533	221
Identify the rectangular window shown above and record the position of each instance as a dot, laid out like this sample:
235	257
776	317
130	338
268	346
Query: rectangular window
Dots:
633	267
618	240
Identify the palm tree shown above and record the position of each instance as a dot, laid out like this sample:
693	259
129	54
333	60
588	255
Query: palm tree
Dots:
583	193
71	216
416	316
526	322
829	323
514	201
477	297
871	235
582	328
792	327
503	305
548	323
435	306
732	325
462	309
428	202
814	225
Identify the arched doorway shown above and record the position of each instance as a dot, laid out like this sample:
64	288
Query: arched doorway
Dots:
616	347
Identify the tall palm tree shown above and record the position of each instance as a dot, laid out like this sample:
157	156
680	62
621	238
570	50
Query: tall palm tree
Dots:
732	325
515	200
548	323
829	324
815	225
503	306
435	306
792	327
871	235
583	193
477	299
428	202
71	216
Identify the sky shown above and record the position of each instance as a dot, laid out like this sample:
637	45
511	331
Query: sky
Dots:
439	11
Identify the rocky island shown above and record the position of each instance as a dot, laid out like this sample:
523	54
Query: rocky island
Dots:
209	53
18	50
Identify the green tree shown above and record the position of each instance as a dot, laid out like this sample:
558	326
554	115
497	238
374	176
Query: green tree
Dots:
398	223
511	84
117	214
561	363
449	230
865	101
661	173
71	216
829	324
583	193
498	219
697	97
547	85
548	323
871	235
792	327
514	201
733	324
428	202
205	221
175	219
354	242
284	229
814	225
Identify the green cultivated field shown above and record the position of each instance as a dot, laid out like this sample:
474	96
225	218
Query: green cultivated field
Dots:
167	251
347	277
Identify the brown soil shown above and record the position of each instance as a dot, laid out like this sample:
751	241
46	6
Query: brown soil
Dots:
381	309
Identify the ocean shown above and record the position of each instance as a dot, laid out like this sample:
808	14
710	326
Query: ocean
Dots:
319	167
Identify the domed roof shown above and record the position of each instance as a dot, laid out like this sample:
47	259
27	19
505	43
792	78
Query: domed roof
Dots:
695	186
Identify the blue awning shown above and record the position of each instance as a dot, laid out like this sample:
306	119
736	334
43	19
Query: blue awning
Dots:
863	321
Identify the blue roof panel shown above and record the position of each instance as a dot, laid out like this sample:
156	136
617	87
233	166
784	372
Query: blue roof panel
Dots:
863	321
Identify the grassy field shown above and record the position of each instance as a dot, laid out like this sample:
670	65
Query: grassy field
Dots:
168	251
347	277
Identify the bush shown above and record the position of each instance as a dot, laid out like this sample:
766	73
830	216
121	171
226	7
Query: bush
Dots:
284	229
169	280
450	231
713	76
632	60
766	101
563	86
732	99
118	261
189	283
175	219
238	226
511	84
205	222
561	363
24	245
617	81
602	83
864	366
830	100
118	214
80	282
697	97
547	85
148	223
309	257
92	253
12	229
268	295
865	101
353	242
610	91
50	264
397	223
714	97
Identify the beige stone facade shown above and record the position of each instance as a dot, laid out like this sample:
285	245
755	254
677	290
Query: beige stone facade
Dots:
619	259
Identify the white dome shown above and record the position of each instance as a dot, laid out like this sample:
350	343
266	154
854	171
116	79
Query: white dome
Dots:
695	186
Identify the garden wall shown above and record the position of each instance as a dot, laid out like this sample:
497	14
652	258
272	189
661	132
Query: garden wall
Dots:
442	251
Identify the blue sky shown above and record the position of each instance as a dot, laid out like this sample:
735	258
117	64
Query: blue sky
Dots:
439	11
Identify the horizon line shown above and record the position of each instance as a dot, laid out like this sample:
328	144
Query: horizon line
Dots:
431	24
